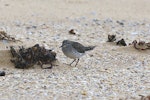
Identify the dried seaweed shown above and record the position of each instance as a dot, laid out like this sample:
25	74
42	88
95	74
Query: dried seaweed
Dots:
145	97
25	58
121	42
111	38
140	45
5	36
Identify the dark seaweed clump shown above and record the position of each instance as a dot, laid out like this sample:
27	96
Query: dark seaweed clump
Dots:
25	58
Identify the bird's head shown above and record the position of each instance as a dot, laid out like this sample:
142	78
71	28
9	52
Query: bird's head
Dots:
65	42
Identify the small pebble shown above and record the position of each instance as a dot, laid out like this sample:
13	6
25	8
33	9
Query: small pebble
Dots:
72	32
34	26
30	33
2	73
121	23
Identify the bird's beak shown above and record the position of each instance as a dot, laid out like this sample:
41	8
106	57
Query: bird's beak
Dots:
61	46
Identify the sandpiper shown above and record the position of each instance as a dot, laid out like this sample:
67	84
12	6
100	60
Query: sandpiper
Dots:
74	50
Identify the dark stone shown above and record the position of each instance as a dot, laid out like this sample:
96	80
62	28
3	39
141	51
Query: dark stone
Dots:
121	42
2	73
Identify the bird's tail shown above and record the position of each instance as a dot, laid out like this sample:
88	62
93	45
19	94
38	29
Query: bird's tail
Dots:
89	48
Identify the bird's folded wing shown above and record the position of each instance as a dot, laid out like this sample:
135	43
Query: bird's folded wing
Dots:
79	47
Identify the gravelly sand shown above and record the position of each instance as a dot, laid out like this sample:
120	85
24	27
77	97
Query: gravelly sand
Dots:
109	72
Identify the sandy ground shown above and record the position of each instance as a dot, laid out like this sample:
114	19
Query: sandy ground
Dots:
109	72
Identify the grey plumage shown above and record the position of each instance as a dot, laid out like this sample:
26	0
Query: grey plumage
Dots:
89	48
74	50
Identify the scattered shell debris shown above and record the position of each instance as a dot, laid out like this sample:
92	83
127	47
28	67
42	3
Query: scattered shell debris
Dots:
112	38
140	45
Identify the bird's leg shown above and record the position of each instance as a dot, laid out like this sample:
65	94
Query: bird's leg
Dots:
41	64
72	62
77	62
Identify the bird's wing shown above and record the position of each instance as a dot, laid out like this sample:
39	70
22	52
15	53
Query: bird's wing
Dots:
79	47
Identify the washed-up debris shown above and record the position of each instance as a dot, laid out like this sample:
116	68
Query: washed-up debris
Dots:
121	42
141	45
145	97
5	36
2	73
120	22
25	58
112	38
72	32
